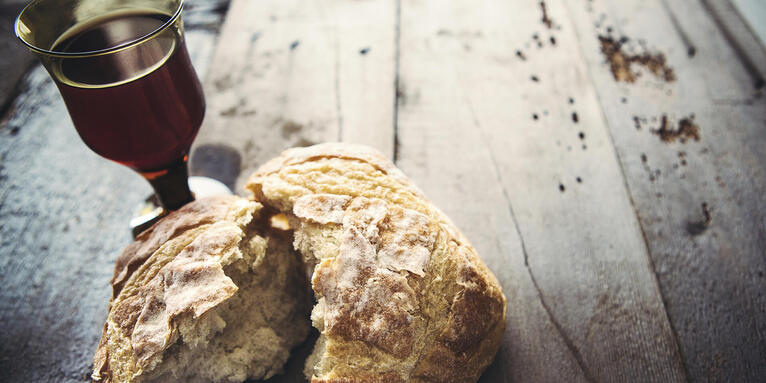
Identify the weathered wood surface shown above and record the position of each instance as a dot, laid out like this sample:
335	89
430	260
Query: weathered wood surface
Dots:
574	246
754	12
292	73
15	58
613	269
711	271
63	221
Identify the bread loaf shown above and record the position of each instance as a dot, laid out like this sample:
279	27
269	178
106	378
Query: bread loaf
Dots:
402	295
208	294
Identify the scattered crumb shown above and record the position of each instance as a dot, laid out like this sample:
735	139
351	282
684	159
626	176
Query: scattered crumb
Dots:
720	182
687	129
294	44
581	135
579	180
575	119
637	122
562	188
698	227
571	100
553	40
534	78
520	55
364	51
534	116
546	20
621	63
706	212
624	100
644	159
584	147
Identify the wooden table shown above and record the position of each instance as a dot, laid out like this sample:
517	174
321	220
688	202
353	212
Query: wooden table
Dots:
615	186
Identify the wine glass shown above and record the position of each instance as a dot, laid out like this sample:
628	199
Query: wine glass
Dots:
125	75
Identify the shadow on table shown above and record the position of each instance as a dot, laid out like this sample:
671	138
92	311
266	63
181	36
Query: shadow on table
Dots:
220	162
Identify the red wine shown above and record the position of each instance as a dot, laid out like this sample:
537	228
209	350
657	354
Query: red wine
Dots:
141	106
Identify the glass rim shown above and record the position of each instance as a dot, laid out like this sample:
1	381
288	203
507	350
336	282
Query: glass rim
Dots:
100	52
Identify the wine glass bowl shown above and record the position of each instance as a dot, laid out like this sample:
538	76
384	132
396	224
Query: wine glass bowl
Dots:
125	75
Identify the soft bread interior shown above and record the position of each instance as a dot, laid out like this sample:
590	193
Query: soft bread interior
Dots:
250	334
401	294
222	302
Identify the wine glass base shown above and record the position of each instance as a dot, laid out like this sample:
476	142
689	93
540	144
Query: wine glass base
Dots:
150	211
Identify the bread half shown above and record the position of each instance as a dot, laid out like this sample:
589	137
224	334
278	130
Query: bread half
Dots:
206	295
402	295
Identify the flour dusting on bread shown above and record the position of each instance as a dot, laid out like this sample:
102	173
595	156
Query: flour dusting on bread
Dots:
401	294
219	300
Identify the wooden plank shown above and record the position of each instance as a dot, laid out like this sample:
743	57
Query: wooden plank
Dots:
64	216
711	269
754	11
445	153
16	59
291	73
746	45
583	300
365	33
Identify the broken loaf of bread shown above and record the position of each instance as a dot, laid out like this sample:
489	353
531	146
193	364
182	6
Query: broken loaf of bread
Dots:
402	295
205	295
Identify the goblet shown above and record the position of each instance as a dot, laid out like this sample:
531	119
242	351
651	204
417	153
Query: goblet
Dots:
124	73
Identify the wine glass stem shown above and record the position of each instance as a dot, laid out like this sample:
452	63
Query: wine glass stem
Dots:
172	186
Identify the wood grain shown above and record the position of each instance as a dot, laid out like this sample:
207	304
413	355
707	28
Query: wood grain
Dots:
64	215
291	73
572	250
754	11
711	271
747	46
516	128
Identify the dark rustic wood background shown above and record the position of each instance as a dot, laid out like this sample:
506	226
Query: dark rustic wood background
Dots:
606	157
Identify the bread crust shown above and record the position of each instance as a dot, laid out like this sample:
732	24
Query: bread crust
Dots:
168	283
187	218
403	296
